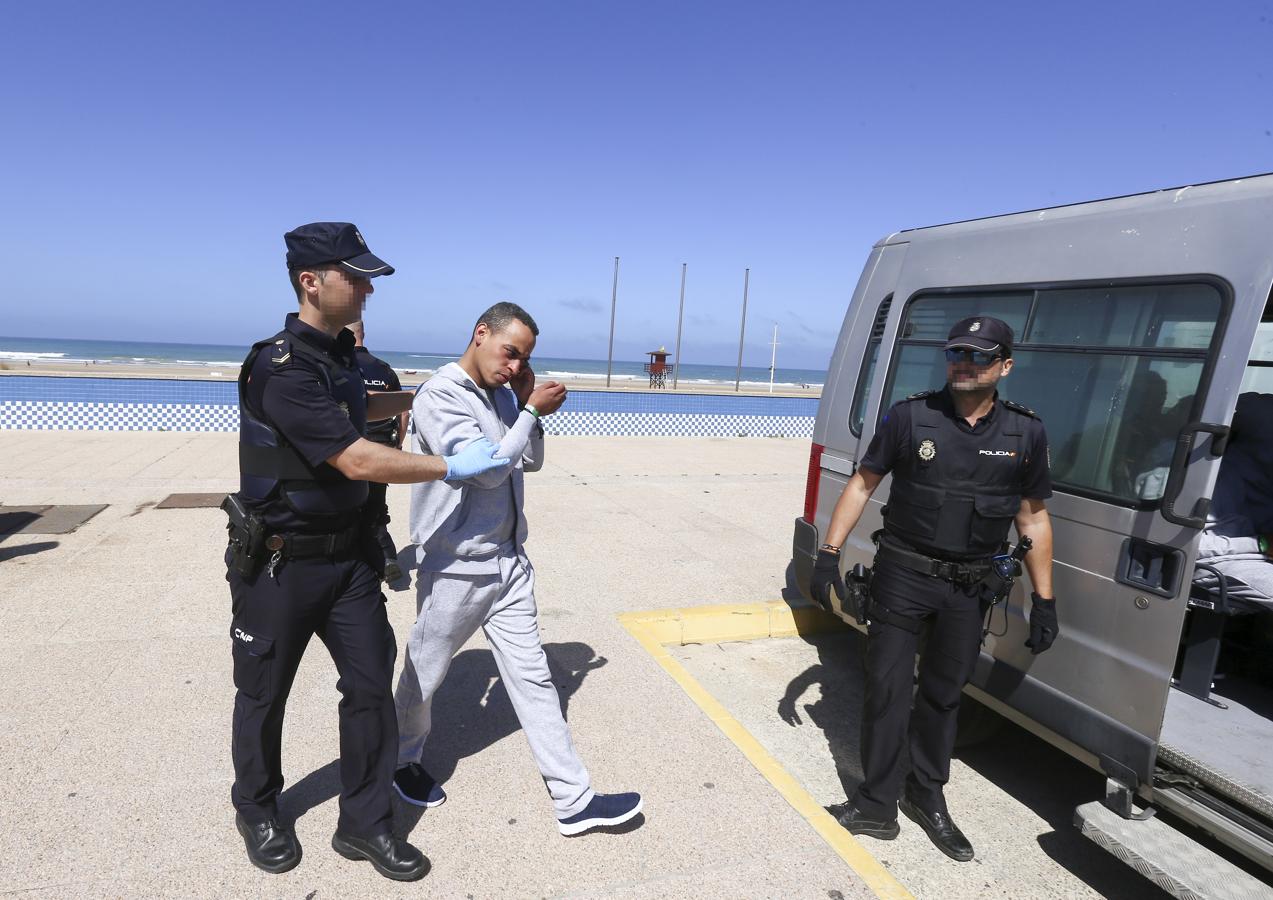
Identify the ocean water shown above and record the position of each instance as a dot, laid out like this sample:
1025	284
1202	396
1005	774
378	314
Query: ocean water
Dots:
15	350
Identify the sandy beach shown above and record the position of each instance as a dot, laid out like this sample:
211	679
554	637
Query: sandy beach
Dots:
92	369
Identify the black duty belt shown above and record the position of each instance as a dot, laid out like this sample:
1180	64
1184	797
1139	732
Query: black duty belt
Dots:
299	546
947	570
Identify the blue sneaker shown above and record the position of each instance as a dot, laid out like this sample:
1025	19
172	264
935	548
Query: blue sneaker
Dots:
603	809
418	787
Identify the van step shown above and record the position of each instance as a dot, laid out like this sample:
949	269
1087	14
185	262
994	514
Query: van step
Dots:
1174	862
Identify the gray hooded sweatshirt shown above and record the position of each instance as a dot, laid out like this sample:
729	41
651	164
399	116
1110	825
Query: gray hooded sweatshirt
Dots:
465	527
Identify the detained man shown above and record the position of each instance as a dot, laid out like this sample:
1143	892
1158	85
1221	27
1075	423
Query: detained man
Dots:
472	570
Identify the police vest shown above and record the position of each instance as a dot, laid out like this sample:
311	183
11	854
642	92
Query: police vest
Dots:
375	374
956	494
269	466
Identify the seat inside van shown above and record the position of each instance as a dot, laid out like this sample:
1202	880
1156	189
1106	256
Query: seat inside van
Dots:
1218	723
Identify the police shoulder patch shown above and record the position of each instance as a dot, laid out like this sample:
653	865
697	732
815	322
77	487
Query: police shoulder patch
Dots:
921	395
281	352
1024	410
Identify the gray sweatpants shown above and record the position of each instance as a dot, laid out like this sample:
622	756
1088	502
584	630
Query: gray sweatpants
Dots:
449	608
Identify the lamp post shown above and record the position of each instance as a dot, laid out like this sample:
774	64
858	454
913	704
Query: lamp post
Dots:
738	374
676	366
614	299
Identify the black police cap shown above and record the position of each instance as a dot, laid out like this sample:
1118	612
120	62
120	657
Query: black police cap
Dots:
324	243
981	333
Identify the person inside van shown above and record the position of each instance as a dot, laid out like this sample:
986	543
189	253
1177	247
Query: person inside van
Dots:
1238	539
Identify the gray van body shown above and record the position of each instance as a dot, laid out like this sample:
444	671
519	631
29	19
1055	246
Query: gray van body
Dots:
1155	296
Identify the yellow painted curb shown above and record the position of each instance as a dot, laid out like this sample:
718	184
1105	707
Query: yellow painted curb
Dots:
745	622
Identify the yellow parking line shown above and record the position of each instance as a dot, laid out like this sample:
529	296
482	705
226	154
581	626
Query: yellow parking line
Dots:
745	622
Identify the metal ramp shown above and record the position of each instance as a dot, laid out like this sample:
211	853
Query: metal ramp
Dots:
1226	749
1168	858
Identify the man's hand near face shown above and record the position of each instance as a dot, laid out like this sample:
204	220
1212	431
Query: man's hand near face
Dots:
547	398
523	384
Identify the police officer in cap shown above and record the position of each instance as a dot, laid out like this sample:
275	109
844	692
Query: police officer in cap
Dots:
379	377
966	465
298	560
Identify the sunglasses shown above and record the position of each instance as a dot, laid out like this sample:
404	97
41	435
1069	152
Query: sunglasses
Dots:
976	357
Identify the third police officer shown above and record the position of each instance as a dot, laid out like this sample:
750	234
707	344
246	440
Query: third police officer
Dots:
966	466
298	561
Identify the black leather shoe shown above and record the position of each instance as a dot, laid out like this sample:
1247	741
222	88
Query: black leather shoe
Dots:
858	822
940	830
272	847
389	856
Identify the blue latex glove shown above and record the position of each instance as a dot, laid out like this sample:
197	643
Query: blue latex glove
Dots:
476	458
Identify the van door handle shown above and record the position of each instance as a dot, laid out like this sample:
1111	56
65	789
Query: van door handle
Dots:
1176	475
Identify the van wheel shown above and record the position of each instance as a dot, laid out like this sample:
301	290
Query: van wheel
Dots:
976	723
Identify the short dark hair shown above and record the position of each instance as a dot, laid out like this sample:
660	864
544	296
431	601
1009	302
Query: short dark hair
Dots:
498	317
294	276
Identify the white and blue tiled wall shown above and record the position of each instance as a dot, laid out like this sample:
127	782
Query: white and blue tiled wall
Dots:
136	404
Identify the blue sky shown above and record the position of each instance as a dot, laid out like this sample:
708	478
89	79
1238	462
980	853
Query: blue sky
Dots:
154	153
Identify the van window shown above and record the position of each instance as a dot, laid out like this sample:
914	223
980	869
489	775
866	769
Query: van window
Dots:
933	321
863	391
1113	372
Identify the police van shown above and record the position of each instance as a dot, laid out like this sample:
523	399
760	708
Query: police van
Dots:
1139	321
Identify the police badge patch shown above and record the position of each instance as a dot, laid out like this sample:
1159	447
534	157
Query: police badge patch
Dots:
927	450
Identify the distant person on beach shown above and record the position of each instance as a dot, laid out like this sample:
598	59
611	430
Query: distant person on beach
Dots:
379	377
297	562
472	569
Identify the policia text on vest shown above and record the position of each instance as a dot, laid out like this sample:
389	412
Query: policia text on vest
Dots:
966	467
299	562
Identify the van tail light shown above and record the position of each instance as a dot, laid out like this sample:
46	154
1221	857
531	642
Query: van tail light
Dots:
811	482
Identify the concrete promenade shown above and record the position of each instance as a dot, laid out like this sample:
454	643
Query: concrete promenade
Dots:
114	733
115	729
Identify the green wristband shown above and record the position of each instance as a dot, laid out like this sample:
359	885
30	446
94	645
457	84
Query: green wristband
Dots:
530	409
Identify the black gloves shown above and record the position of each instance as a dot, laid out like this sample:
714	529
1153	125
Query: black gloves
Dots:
826	575
1043	625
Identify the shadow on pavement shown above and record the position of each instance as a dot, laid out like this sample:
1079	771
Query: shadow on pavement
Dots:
1035	774
838	710
7	553
313	790
13	521
1051	783
471	711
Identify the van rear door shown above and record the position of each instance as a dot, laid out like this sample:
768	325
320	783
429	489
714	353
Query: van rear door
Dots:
848	408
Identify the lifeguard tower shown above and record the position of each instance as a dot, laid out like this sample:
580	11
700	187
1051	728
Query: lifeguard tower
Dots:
658	367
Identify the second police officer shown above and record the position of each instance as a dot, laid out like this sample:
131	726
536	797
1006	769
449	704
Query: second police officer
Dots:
966	465
298	560
379	377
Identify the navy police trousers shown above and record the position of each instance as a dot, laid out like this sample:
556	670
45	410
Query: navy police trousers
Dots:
273	618
952	618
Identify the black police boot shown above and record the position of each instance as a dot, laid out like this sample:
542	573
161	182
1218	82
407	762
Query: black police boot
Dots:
271	846
857	822
940	830
389	856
